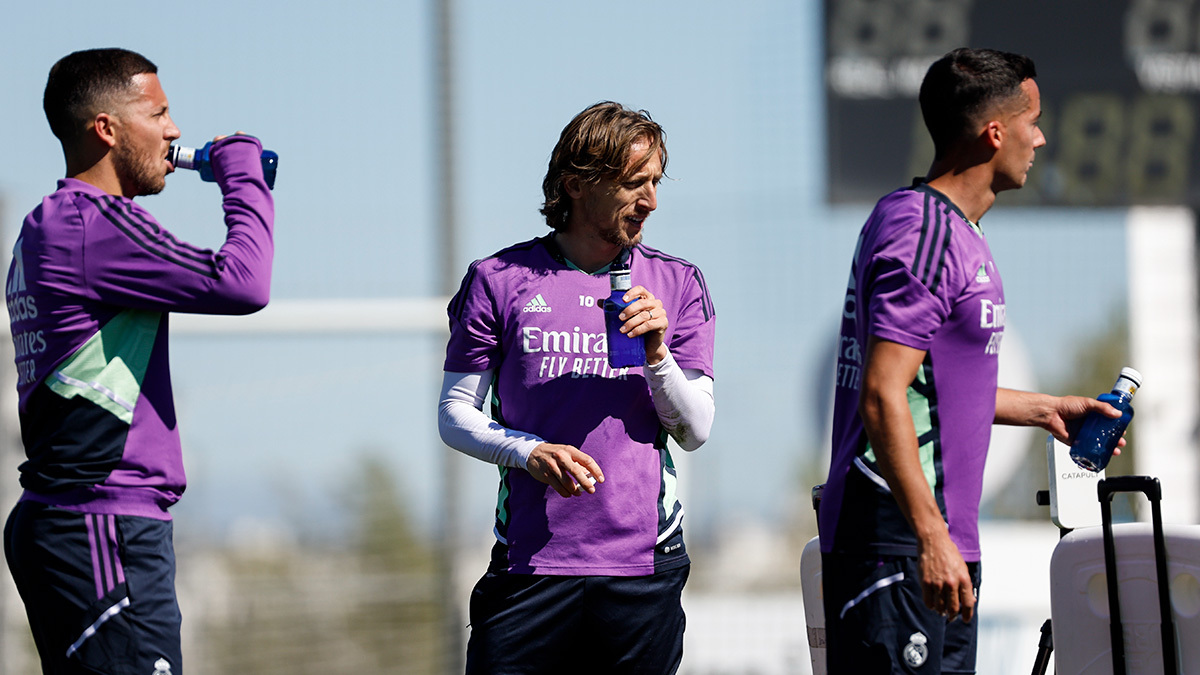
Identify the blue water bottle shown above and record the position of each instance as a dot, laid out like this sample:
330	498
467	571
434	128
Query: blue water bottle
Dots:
623	351
1099	435
199	160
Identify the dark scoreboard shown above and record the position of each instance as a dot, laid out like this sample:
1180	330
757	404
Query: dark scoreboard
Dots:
1119	79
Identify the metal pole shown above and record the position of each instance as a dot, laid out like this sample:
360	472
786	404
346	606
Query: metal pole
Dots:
445	202
443	120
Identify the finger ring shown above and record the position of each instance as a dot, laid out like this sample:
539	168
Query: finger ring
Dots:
650	313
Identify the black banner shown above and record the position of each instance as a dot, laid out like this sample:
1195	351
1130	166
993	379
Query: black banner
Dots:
1120	85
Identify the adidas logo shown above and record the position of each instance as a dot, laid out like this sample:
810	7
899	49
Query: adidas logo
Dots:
17	283
981	277
537	304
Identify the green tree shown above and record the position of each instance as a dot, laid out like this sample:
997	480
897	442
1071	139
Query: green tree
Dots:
398	617
366	603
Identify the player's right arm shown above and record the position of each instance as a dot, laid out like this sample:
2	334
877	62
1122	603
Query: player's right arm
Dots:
130	260
883	405
464	427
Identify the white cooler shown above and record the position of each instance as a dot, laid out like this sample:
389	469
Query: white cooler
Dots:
814	603
1079	599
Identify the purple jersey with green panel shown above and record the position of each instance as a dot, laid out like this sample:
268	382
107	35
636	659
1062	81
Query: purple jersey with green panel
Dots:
537	323
922	276
92	280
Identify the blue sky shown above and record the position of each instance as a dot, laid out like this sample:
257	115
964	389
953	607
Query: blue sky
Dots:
342	91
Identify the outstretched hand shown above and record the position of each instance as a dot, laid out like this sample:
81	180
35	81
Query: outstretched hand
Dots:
567	469
1067	415
1060	415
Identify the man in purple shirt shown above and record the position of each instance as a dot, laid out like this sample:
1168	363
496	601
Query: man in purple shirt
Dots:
589	560
92	282
916	394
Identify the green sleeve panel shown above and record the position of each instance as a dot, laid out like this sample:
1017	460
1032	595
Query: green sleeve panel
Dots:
921	409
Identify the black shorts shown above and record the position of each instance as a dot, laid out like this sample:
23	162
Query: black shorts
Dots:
876	620
529	624
99	590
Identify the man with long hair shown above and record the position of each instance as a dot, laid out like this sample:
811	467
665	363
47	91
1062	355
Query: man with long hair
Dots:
589	560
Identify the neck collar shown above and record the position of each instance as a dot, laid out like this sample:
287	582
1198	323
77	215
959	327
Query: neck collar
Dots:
920	185
623	258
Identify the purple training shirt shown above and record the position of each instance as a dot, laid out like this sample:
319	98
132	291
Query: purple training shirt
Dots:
92	281
923	277
537	323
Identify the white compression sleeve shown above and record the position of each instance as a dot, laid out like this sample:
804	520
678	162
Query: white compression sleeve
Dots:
464	427
684	401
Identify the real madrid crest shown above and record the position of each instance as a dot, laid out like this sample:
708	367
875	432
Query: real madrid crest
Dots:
915	652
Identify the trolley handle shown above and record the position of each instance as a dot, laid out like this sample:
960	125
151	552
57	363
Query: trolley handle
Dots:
1147	485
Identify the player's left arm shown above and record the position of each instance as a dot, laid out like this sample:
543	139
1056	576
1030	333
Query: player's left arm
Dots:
1060	415
683	397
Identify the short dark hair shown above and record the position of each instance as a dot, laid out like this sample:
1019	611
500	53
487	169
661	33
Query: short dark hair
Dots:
596	145
963	86
86	82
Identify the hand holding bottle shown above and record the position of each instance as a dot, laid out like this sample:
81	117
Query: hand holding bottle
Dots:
201	160
645	316
633	316
624	351
1099	435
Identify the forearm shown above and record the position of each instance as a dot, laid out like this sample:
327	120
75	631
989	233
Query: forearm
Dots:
683	400
1059	415
249	208
1022	408
883	405
464	427
889	426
